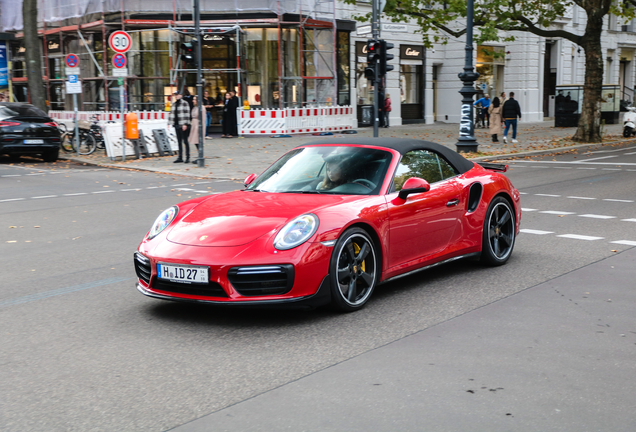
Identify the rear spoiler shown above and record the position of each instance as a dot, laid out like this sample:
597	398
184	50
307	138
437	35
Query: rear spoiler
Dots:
494	166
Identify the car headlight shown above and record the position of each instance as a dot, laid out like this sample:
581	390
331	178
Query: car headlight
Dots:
296	232
164	219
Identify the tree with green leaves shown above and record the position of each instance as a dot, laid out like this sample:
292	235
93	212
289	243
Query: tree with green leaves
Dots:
439	19
33	57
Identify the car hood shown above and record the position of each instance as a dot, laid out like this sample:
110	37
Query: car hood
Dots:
237	218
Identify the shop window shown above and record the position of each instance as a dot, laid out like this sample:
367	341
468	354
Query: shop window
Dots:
410	84
490	61
57	96
343	68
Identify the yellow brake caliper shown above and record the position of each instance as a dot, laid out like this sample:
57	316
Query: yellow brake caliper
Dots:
356	249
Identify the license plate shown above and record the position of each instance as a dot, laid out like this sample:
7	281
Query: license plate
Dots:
34	141
183	273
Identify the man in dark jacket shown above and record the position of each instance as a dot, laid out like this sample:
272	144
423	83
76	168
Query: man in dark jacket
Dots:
510	112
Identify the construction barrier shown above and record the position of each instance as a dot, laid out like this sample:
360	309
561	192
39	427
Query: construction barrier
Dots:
295	120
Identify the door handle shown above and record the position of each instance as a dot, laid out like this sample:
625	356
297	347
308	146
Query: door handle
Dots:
452	202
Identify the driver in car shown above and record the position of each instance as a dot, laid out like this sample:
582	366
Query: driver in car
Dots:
334	172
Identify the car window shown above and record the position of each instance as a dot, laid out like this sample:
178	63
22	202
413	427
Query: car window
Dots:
24	110
347	170
424	164
5	113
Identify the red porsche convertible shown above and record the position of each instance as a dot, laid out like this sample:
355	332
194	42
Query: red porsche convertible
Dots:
326	223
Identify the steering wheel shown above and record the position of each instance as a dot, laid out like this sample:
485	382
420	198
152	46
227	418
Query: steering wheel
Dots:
365	183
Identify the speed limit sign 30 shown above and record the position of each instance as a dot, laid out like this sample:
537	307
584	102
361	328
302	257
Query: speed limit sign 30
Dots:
120	41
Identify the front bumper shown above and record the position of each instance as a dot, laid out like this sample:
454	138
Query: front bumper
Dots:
300	274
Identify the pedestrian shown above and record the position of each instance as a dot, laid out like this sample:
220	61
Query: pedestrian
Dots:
502	98
193	137
495	119
187	97
229	115
180	119
484	103
510	112
381	109
208	104
387	110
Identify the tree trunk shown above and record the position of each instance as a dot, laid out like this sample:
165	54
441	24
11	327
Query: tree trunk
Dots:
589	128
33	57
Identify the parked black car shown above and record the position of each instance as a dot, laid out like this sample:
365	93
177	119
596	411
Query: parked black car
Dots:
27	130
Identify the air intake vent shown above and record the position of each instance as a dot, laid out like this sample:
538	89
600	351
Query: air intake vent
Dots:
474	196
142	267
262	280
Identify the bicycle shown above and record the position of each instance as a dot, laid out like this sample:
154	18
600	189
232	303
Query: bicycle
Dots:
87	142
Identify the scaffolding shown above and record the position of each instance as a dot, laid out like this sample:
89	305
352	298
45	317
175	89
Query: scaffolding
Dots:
305	61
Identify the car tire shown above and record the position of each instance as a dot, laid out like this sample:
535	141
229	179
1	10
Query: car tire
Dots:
51	155
353	271
499	232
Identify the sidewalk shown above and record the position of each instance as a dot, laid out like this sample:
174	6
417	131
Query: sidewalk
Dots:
236	158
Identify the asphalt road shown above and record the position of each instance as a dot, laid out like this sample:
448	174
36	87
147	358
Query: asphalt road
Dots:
83	350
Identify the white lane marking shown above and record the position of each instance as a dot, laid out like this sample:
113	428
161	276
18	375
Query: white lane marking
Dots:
599	158
581	198
12	199
556	212
580	237
534	166
618	200
628	220
523	193
625	242
595	216
45	196
611	169
181	184
12	175
587	168
539	232
100	192
527	209
184	189
632	153
34	174
202	182
129	190
75	194
548	195
153	187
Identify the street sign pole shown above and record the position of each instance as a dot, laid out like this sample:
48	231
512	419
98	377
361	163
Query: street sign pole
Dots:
76	125
123	119
202	118
374	30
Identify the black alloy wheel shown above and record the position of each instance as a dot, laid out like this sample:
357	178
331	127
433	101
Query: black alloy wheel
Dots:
499	232
353	270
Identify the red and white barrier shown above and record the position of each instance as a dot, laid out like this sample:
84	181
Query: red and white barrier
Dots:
250	122
295	120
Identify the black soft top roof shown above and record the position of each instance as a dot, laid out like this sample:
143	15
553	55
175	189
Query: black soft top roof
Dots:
405	145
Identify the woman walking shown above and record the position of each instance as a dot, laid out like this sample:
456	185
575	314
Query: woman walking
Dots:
495	119
194	129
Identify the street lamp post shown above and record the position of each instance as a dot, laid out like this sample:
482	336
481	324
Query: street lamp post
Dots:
467	141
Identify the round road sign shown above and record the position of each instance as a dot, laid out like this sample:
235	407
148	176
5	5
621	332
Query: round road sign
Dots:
120	41
71	60
119	61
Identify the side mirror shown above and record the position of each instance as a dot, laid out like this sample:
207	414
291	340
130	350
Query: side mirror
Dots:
414	185
249	179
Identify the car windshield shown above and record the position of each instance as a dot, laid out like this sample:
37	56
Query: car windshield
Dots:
326	169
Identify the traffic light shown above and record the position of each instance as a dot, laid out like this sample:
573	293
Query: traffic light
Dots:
385	56
373	54
188	53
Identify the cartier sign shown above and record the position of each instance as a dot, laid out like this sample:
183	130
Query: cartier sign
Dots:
412	52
